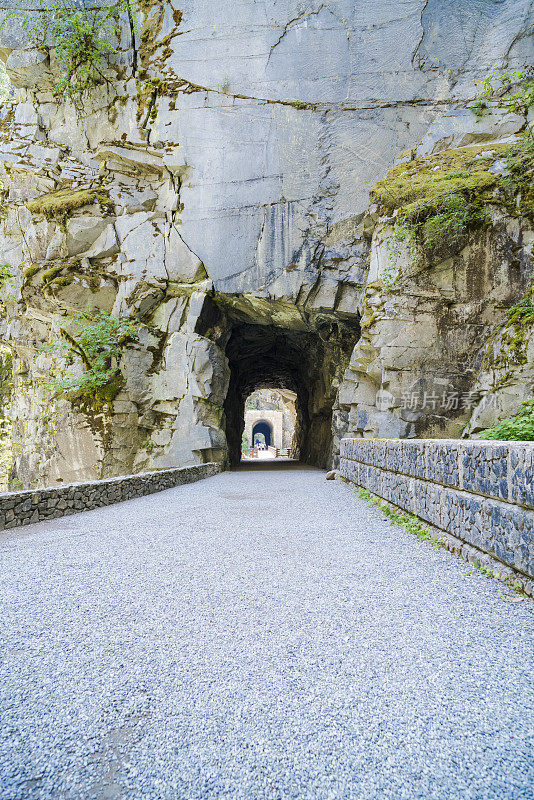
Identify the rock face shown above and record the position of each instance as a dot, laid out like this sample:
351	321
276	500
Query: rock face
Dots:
216	190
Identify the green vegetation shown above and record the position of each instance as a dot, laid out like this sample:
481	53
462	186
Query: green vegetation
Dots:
97	339
61	280
60	205
418	187
83	39
514	334
520	427
51	273
30	271
412	523
513	89
438	199
519	159
456	216
6	276
523	311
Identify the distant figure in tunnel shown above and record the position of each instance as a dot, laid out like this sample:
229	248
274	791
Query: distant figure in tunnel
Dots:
262	434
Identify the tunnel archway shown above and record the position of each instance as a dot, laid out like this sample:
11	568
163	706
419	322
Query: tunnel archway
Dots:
309	362
281	346
265	429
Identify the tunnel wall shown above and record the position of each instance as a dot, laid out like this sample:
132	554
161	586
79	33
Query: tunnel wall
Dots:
480	492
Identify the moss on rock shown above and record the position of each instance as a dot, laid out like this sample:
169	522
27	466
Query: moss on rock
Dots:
51	273
30	271
62	204
424	181
514	335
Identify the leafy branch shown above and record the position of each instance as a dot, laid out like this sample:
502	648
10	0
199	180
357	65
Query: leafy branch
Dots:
83	39
513	89
97	340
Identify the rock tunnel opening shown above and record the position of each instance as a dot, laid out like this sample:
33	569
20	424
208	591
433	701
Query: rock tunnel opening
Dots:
309	362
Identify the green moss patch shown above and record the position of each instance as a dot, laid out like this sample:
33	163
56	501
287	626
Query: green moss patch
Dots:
423	182
61	280
520	163
439	199
51	273
30	271
514	334
59	206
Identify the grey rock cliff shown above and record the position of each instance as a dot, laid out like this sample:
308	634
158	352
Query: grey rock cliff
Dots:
236	151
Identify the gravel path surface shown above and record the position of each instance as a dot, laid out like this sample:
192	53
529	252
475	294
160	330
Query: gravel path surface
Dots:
260	634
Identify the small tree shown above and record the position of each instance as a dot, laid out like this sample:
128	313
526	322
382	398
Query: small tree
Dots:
82	37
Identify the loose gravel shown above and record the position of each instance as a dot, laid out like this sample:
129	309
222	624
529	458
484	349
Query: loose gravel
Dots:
263	635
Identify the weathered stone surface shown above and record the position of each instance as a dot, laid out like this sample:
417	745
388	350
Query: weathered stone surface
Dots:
239	234
83	232
30	69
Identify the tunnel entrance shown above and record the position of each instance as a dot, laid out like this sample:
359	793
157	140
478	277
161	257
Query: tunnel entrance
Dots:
262	433
270	419
308	362
270	344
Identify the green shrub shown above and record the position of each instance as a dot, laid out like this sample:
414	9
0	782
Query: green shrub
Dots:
98	340
520	427
83	39
451	223
513	89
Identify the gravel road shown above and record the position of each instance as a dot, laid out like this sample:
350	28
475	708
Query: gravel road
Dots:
262	634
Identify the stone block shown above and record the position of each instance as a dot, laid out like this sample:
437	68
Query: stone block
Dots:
413	458
442	461
394	455
522	474
427	501
485	469
512	531
462	515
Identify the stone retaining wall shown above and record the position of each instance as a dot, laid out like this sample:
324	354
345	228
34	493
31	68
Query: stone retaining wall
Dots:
36	505
480	492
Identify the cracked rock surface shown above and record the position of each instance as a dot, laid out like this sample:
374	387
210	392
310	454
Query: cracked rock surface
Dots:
222	178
